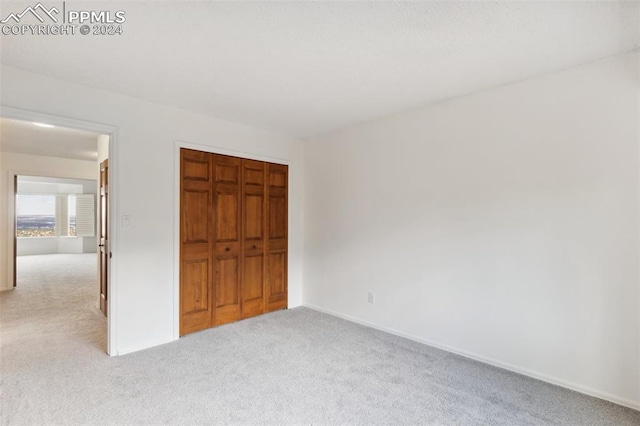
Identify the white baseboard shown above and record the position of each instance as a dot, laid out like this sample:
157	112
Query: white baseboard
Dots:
491	361
137	348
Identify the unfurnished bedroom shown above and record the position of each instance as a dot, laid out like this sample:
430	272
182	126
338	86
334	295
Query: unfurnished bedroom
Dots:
324	213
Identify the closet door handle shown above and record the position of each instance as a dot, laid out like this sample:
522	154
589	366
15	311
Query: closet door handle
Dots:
227	249
254	247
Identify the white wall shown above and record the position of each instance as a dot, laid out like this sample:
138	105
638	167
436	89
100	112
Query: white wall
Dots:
503	225
49	245
103	150
144	188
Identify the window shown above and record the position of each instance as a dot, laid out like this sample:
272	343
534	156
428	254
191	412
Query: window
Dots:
49	215
36	215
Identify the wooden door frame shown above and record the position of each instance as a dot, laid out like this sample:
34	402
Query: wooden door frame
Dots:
73	123
103	237
14	226
176	209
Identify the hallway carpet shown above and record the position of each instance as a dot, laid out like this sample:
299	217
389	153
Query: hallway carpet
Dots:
290	367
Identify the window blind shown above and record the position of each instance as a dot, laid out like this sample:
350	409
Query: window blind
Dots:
85	215
62	215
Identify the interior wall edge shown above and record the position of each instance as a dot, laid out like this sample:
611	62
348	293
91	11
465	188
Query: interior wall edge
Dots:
486	360
136	348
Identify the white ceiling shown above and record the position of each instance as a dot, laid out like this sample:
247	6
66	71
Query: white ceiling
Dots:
308	68
27	138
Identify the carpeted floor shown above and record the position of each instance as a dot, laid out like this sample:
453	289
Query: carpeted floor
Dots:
290	367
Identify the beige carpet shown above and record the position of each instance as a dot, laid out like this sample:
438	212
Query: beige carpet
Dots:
53	307
290	367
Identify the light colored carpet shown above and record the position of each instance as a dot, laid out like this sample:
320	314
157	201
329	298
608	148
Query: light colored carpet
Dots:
290	367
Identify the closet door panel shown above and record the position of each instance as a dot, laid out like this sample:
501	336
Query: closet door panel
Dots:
196	241
227	170
252	287
196	208
227	289
276	259
277	275
254	217
253	227
233	231
277	217
195	297
227	219
253	173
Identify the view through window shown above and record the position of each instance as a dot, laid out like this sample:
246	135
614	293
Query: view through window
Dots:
36	215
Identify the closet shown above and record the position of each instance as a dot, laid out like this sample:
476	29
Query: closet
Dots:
233	239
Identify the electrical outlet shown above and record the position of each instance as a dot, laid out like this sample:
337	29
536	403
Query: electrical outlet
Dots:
372	297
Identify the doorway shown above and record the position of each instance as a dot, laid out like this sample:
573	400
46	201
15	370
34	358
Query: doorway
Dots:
54	226
70	151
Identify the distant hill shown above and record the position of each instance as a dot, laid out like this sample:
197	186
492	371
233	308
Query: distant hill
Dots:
35	222
40	225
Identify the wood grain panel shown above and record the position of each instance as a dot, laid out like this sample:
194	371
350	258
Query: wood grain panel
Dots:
277	217
228	249
227	282
196	241
252	287
254	176
195	293
196	169
276	253
227	217
196	208
277	277
226	173
228	238
277	177
253	217
253	300
253	226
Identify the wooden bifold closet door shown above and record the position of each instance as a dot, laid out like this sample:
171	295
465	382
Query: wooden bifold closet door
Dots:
233	239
